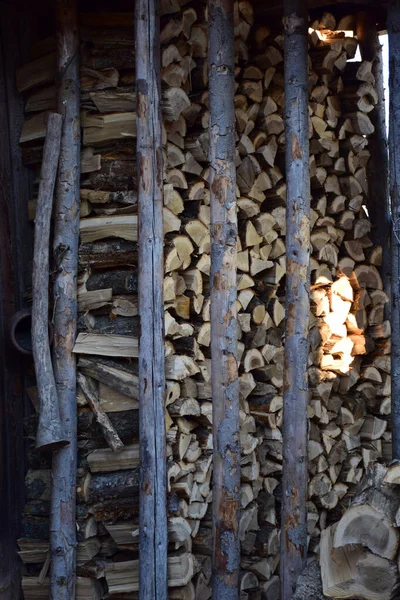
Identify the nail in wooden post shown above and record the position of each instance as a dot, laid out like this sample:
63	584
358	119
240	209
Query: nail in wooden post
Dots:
295	392
153	540
65	247
225	385
393	27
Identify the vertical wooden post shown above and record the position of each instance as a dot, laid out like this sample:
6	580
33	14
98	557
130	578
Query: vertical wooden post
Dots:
225	385
378	164
393	27
153	517
65	246
295	391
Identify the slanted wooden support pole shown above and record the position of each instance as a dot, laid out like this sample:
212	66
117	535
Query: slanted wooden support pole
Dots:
65	245
378	164
295	391
50	434
224	379
153	540
393	27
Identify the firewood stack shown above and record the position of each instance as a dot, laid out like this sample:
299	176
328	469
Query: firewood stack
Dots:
349	365
359	553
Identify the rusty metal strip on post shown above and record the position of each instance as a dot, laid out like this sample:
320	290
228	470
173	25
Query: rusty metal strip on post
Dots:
295	393
225	385
153	541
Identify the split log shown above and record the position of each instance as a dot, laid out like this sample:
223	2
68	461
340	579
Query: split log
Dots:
224	378
118	376
106	345
346	571
50	433
65	244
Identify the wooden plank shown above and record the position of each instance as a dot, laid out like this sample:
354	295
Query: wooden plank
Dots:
224	232
98	228
65	247
393	25
108	127
153	540
106	345
297	309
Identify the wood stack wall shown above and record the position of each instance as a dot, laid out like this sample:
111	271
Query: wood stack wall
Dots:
349	363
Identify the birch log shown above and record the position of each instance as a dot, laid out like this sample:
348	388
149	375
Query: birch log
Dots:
295	391
153	518
225	385
65	245
393	25
50	435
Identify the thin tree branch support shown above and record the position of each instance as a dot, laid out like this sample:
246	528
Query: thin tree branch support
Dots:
295	392
50	434
65	246
110	434
153	541
225	384
393	27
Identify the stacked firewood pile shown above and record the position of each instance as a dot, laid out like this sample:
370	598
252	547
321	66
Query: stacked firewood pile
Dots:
359	554
349	366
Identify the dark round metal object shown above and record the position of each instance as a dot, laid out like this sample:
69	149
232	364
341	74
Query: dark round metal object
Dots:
20	331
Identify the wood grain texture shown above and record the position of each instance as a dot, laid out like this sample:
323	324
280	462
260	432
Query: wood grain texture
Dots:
65	246
224	232
153	516
295	390
50	435
393	25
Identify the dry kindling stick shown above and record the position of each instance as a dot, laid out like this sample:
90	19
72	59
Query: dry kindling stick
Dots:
50	434
111	436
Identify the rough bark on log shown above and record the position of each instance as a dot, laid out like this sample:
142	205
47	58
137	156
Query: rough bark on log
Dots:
393	24
224	234
111	436
50	435
153	516
295	390
378	167
65	244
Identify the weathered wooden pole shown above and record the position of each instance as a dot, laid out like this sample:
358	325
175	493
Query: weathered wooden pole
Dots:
65	246
393	27
378	164
153	497
224	379
50	433
295	391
